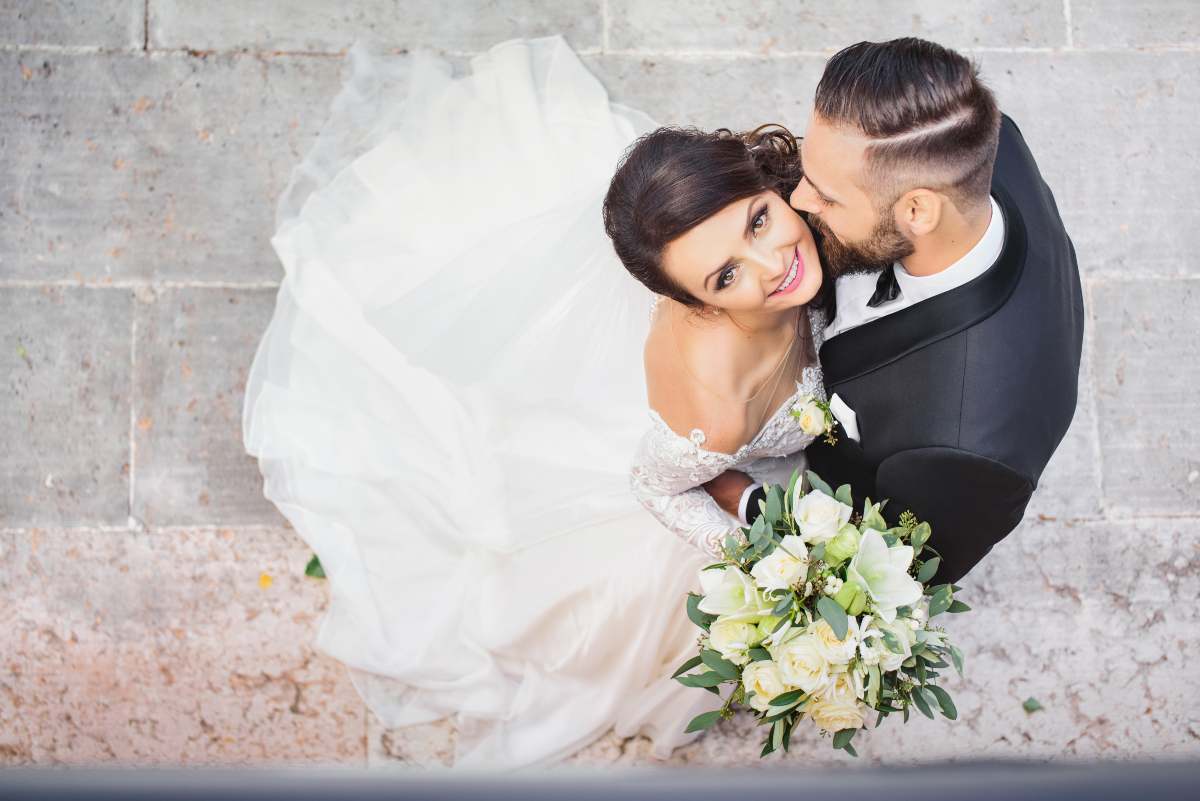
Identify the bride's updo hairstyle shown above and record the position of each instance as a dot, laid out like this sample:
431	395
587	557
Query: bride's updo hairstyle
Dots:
673	179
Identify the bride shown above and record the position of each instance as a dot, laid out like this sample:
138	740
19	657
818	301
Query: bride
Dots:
447	404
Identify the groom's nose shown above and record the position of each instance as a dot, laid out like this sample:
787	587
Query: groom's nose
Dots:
804	198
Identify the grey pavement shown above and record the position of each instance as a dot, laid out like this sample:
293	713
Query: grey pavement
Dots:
157	607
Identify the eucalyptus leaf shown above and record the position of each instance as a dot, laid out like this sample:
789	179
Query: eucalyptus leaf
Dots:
784	605
957	607
921	703
834	615
873	680
816	483
686	666
956	656
774	505
783	699
943	699
842	737
892	642
704	721
791	490
758	530
920	536
845	495
849	749
701	680
928	570
719	664
759	654
701	619
940	601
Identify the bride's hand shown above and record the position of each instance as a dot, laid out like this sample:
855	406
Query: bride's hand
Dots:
727	488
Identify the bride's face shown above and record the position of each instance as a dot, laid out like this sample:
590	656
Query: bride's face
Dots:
756	254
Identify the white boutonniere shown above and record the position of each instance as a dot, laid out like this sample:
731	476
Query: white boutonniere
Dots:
815	418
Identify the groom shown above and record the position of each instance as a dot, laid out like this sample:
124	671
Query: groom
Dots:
952	356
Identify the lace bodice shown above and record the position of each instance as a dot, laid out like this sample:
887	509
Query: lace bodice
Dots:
669	469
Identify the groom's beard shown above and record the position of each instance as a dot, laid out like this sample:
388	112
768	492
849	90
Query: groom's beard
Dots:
884	245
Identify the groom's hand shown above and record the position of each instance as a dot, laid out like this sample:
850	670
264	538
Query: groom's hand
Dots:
727	488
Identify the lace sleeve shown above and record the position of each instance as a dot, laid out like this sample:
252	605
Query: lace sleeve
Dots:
666	479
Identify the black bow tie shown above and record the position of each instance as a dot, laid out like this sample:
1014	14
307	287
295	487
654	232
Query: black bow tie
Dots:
886	288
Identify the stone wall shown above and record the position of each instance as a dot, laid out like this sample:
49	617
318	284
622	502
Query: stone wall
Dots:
155	605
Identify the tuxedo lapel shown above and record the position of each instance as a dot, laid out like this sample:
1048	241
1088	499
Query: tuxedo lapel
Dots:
876	344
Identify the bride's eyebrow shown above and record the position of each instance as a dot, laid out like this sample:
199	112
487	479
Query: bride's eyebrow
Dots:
745	235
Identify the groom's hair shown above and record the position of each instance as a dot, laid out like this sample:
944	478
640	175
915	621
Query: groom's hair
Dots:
931	121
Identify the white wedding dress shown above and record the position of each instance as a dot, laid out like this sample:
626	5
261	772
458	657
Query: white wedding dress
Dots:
449	399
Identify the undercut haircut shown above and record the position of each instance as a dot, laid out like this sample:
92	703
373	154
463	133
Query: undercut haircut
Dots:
931	121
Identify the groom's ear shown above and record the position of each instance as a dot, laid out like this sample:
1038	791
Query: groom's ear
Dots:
919	211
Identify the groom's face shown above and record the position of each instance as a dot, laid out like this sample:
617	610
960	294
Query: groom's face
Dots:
856	234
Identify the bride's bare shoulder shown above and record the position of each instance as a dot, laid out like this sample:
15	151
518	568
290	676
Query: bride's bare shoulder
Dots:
677	396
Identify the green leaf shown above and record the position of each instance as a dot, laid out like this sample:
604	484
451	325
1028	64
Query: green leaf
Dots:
816	483
774	505
956	656
919	666
717	663
686	666
849	749
314	568
922	704
892	642
704	721
791	490
845	495
777	735
787	734
943	699
759	654
873	680
940	601
701	680
1031	705
758	530
920	536
783	699
784	605
842	737
958	606
872	518
834	615
928	569
701	619
766	747
817	552
783	621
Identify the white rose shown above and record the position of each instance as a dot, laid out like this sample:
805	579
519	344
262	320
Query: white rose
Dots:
732	639
786	565
835	651
819	517
837	713
811	417
882	571
763	681
731	594
802	664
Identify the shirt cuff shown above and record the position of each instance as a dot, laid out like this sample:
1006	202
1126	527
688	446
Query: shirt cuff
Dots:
745	502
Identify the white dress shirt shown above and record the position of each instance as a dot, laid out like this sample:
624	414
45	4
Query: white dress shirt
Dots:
853	291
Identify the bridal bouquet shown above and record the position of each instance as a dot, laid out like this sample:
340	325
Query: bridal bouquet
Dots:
824	614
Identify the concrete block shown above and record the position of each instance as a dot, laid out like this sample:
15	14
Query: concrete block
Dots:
1113	135
167	167
182	648
1147	372
313	25
1113	23
1070	485
786	26
102	23
713	92
194	348
64	358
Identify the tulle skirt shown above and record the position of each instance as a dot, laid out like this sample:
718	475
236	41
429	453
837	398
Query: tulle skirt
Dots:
447	400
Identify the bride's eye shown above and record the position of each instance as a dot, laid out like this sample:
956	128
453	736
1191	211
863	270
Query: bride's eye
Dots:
726	277
760	220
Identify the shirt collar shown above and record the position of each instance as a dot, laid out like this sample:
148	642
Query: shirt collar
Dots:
973	263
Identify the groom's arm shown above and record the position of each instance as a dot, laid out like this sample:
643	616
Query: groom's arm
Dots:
970	501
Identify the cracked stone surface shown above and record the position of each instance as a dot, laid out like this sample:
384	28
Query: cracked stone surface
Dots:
156	605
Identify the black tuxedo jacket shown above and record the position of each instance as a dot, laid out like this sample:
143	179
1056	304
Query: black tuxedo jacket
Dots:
962	398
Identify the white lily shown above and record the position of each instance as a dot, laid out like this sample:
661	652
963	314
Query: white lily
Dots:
730	593
882	572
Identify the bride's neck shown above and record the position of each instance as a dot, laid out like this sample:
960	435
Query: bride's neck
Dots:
765	325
